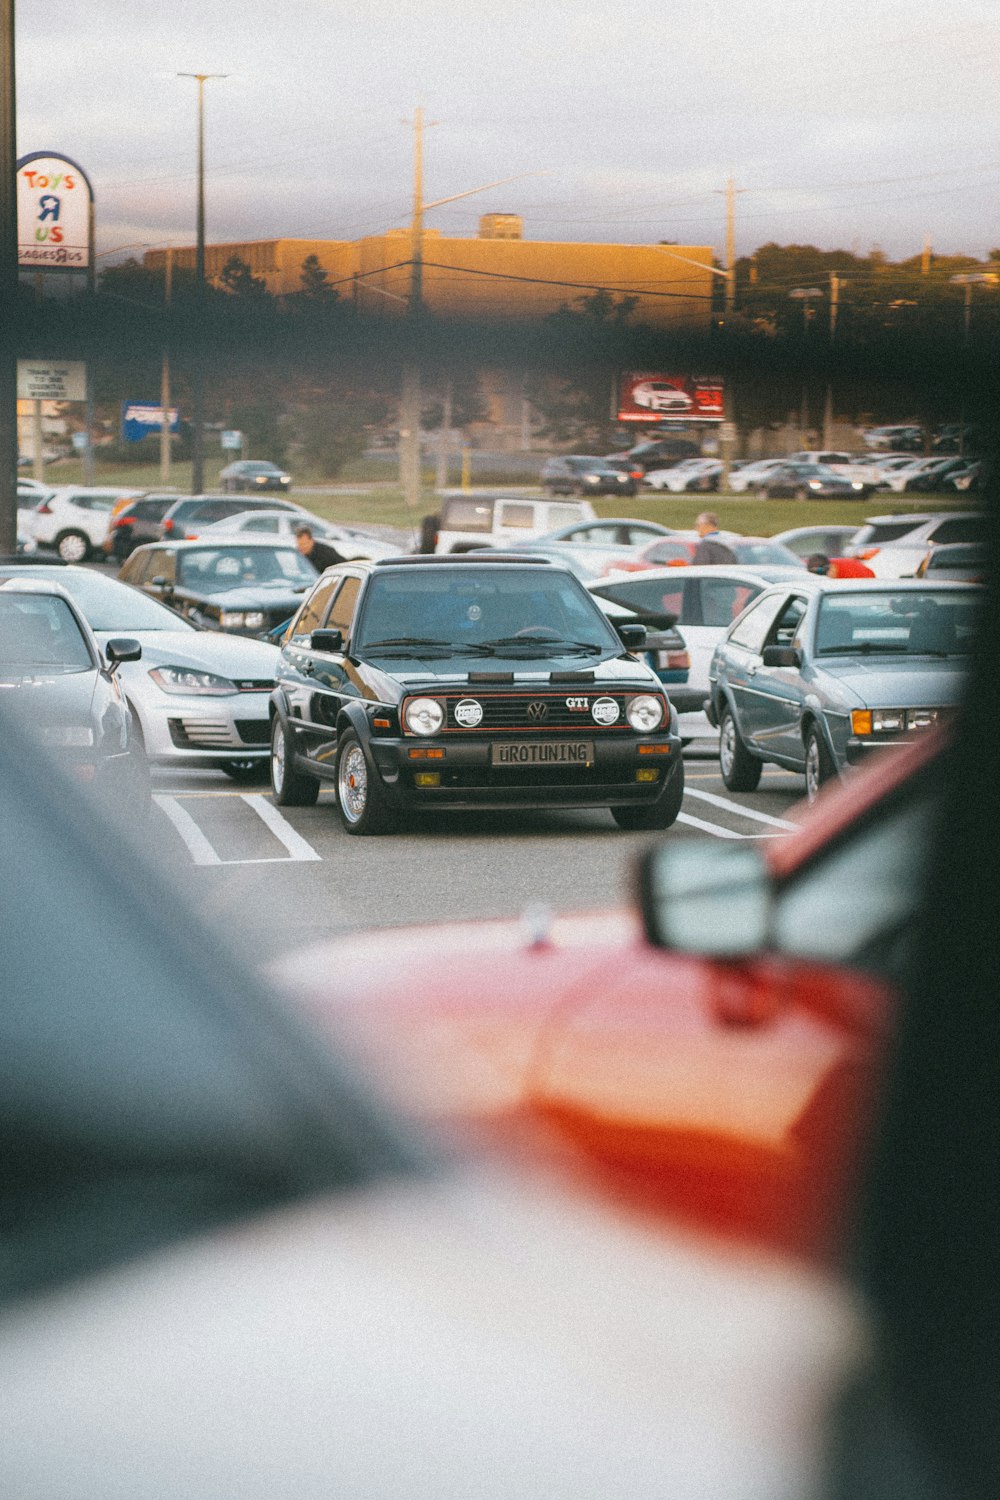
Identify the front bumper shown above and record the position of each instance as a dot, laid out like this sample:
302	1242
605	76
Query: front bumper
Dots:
205	731
468	780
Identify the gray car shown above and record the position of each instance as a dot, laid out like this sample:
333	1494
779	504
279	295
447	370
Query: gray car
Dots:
818	672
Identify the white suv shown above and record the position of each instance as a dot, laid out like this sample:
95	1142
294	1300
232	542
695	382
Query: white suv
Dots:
74	520
469	521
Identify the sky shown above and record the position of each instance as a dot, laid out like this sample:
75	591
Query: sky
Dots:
844	126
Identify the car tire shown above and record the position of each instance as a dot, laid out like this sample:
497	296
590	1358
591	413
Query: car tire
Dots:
73	546
246	771
819	763
361	797
662	814
740	770
289	786
762	493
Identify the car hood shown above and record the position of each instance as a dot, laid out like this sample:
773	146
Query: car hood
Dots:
203	650
892	681
609	671
253	596
584	1044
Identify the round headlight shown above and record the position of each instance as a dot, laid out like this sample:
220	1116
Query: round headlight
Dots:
644	713
423	716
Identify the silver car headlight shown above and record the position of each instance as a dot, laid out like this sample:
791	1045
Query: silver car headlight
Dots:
423	716
255	619
189	681
232	619
644	713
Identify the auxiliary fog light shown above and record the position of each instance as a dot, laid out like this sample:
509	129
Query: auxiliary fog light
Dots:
427	778
648	773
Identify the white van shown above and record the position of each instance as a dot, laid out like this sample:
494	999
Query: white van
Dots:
468	521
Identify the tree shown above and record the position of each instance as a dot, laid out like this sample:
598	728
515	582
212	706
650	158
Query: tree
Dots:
314	286
239	281
329	437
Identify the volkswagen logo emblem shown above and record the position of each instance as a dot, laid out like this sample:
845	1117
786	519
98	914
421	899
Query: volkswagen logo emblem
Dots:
538	711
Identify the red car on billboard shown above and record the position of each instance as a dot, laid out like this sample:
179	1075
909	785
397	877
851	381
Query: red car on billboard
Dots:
655	397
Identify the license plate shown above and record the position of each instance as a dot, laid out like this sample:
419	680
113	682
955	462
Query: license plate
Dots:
543	753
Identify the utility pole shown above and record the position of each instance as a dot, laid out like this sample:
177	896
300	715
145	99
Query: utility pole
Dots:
409	404
8	283
828	403
198	371
165	376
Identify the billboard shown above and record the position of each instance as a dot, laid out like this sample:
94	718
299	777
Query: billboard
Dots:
139	420
51	380
645	396
54	219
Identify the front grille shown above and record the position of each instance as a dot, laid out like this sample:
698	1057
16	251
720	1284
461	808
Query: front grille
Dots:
540	713
255	684
202	734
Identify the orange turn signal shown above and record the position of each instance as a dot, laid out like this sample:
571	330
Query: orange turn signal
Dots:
654	749
861	721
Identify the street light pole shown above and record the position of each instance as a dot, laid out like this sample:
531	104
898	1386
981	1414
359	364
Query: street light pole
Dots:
8	283
198	370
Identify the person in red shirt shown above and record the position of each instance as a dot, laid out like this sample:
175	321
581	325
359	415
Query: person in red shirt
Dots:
837	567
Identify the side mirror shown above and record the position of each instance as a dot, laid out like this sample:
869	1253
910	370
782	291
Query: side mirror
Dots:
122	648
327	640
698	898
782	656
633	637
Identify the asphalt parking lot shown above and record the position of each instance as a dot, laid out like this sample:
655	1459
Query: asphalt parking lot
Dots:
273	878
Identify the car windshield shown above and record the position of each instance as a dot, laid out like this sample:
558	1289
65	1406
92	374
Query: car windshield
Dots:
41	631
107	604
487	611
217	570
761	553
914	623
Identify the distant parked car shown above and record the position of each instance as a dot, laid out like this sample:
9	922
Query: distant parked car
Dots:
469	523
804	541
136	522
250	474
906	436
585	474
818	673
188	515
74	519
282	524
749	475
689	474
807	481
964	562
245	586
659	453
847	465
893	546
678	549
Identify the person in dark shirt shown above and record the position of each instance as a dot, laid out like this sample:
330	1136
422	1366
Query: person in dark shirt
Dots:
711	548
320	554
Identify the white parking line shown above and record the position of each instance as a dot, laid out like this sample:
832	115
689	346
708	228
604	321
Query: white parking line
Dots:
719	832
198	846
283	831
736	807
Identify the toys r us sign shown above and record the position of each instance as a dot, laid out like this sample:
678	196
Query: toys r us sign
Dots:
54	214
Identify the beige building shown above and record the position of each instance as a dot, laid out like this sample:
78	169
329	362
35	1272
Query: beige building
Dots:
496	275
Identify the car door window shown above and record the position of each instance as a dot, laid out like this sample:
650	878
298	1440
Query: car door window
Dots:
313	612
517	517
261	523
785	629
723	599
344	605
562	515
755	623
958	529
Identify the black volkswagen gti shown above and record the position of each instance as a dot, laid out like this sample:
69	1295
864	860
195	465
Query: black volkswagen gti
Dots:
430	682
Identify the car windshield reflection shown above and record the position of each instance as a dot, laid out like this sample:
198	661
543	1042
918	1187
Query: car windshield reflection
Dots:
911	624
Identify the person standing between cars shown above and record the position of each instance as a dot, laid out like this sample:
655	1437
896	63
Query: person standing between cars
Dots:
320	554
711	548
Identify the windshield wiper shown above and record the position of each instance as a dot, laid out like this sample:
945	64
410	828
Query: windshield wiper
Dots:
543	645
409	641
864	648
